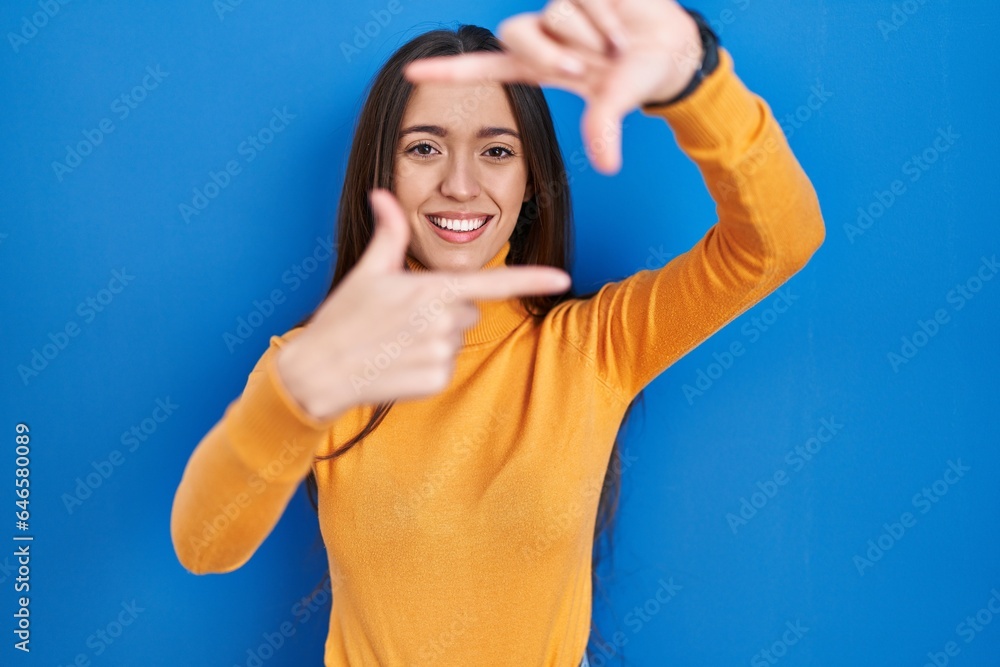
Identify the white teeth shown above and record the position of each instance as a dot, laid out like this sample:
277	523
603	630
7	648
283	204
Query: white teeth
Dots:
458	225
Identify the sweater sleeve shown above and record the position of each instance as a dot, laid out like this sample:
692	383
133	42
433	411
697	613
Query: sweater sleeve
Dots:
769	225
243	473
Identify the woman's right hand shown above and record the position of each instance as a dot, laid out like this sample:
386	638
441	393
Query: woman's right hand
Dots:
328	367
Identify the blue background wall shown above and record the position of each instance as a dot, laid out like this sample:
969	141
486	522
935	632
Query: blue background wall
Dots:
791	560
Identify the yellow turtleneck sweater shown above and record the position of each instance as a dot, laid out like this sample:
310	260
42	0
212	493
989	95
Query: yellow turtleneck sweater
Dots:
460	531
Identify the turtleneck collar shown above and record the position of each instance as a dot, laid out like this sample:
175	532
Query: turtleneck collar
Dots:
497	318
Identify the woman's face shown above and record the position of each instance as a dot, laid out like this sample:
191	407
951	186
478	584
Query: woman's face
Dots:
459	157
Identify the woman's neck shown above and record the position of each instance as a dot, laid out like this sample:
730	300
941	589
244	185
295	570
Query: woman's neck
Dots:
497	318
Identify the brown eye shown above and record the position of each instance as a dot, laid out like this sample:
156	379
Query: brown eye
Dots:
504	154
419	153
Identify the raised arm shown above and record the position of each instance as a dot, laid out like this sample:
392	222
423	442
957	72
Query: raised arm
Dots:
242	474
769	225
769	222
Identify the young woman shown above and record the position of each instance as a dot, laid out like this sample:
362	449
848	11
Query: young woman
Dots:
452	403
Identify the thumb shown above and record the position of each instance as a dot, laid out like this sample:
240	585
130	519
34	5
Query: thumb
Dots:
387	249
602	129
602	120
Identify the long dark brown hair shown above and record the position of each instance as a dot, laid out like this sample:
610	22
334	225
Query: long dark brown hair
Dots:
541	236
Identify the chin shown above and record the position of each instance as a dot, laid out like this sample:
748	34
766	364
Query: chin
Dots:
455	264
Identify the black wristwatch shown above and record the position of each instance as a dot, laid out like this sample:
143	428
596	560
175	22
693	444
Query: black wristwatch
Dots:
710	42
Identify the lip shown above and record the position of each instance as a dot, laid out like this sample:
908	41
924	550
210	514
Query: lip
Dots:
459	237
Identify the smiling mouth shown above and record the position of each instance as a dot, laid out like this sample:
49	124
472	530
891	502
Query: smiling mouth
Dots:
459	225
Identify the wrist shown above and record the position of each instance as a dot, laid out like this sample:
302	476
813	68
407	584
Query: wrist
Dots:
705	55
297	373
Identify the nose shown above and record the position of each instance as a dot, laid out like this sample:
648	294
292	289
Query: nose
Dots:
460	180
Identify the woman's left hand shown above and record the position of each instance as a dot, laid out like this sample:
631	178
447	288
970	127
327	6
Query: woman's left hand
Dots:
626	52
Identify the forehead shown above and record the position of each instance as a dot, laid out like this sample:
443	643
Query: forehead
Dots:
457	105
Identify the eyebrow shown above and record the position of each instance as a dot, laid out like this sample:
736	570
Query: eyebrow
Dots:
438	131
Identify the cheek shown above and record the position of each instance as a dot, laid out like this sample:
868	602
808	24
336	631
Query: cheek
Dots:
508	183
512	189
413	186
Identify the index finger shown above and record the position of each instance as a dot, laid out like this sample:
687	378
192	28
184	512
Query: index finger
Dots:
605	17
468	68
508	282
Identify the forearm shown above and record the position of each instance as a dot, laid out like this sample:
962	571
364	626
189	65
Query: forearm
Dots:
769	226
770	221
224	509
243	473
